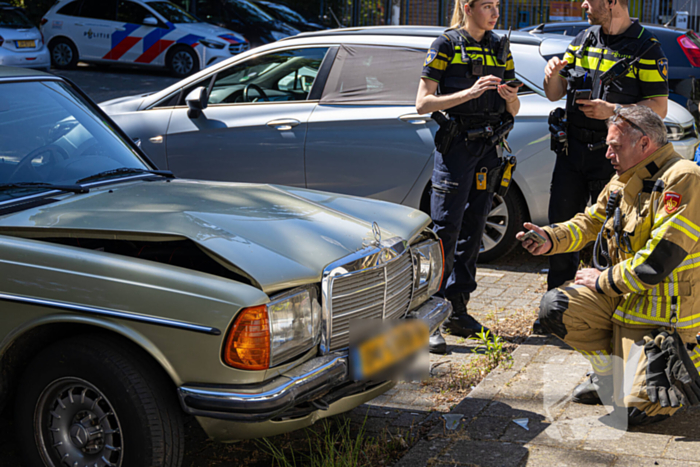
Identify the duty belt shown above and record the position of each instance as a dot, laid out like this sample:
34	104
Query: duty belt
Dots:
586	136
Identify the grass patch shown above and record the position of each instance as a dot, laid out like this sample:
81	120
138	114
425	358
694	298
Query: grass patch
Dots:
336	443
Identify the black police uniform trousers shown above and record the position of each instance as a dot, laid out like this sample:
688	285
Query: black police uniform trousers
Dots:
459	210
579	176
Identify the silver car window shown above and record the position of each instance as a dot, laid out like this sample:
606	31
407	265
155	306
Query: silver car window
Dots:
374	75
281	76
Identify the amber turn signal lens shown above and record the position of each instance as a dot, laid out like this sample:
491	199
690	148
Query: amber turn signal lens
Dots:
248	341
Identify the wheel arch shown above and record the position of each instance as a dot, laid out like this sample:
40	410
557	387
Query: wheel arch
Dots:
24	343
175	47
62	37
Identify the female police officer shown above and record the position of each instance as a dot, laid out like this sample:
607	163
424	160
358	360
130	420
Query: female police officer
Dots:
463	75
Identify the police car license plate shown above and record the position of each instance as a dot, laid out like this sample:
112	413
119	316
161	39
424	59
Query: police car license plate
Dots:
388	349
26	44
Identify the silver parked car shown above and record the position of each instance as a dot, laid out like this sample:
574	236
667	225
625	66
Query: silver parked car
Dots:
335	111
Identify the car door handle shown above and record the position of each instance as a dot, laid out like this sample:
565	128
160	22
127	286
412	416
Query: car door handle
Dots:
415	119
284	124
79	24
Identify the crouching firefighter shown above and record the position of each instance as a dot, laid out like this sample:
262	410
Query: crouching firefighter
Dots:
633	316
466	75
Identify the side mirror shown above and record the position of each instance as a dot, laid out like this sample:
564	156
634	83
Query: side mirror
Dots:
197	101
150	21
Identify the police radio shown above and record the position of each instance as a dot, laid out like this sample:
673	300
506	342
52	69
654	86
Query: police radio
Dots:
504	48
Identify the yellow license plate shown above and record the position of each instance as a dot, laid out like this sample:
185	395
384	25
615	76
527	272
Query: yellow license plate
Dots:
25	44
391	347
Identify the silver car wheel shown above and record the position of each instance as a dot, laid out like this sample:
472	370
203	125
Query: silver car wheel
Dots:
77	425
182	63
62	54
496	224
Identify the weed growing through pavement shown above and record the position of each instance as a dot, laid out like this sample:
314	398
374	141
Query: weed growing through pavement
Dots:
492	347
337	444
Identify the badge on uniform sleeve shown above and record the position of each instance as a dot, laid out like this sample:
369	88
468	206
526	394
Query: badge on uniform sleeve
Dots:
432	54
672	202
662	63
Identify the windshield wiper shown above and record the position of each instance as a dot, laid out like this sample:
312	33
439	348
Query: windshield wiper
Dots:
125	171
49	186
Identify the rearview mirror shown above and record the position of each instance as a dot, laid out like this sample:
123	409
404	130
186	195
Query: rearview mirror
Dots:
197	101
150	21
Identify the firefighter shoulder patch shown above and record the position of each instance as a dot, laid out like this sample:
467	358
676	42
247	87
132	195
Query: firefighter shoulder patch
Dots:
672	201
662	63
432	54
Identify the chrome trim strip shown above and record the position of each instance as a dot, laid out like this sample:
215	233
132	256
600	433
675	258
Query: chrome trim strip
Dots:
111	313
290	383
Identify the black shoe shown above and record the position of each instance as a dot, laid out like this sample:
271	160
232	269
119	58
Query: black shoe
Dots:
459	323
537	328
594	391
437	343
464	326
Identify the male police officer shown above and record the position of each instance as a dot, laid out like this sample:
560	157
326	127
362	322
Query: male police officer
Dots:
613	64
646	226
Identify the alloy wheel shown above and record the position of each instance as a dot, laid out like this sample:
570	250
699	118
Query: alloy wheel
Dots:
62	54
496	224
77	426
182	63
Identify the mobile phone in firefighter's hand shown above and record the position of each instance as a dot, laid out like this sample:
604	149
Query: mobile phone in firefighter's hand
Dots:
534	236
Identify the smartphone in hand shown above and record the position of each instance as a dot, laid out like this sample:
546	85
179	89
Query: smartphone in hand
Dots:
534	236
582	94
515	83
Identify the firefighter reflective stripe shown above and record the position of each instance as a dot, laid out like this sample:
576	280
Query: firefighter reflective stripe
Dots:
686	226
593	212
695	356
576	236
600	360
690	262
629	277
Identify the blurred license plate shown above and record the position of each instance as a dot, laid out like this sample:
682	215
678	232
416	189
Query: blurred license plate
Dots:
25	44
389	349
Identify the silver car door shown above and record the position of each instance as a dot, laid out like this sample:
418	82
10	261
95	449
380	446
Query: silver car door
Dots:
254	127
365	137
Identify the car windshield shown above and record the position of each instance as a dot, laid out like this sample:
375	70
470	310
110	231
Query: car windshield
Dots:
285	12
51	135
14	19
248	12
172	12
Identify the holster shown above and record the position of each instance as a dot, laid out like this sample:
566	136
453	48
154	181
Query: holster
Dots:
448	131
557	127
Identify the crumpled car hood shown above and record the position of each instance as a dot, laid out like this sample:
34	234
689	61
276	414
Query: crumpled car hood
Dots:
279	236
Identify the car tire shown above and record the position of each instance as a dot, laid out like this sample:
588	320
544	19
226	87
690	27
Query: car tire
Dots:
64	54
504	220
93	396
182	61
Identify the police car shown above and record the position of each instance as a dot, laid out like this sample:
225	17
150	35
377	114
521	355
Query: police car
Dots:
138	32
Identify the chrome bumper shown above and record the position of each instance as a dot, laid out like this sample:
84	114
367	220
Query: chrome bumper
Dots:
326	376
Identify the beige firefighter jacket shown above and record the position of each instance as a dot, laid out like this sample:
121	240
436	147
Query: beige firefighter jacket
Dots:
656	271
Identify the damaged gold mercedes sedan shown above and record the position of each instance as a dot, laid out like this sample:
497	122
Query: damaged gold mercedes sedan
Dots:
131	299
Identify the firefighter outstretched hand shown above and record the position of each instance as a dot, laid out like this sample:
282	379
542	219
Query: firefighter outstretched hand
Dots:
532	245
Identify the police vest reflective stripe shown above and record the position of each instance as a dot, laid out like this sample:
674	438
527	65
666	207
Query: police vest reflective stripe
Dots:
459	73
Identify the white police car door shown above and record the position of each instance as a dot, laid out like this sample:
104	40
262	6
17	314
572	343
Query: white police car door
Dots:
133	41
254	127
92	31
